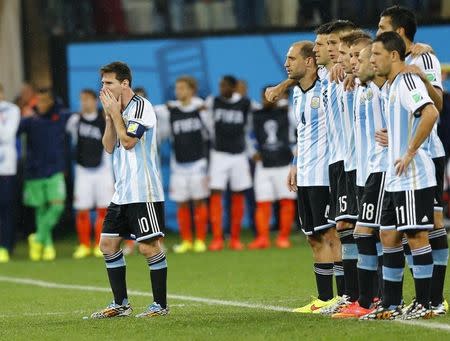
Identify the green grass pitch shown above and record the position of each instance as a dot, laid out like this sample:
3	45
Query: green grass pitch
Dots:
214	296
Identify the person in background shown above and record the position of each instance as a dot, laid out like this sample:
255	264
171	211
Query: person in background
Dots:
229	161
94	183
44	187
184	122
27	99
9	123
273	158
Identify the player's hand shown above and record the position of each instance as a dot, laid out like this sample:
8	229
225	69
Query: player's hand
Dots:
419	48
401	165
381	136
273	93
414	69
110	104
291	180
256	157
349	82
337	73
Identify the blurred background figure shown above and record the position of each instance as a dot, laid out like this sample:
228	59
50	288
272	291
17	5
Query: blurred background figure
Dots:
184	121
9	123
27	99
229	161
45	187
94	183
273	156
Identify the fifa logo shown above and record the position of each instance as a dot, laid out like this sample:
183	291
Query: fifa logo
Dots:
271	129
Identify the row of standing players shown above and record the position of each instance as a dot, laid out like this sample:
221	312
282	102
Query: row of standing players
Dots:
191	124
369	171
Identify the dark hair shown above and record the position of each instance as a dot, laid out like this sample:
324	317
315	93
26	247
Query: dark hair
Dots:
89	92
392	42
121	70
324	28
402	17
338	26
351	37
230	80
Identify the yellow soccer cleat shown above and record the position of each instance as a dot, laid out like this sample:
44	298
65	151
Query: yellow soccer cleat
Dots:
184	247
82	251
199	246
97	252
35	248
49	253
4	255
315	305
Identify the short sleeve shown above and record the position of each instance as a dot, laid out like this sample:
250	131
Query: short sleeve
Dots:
413	93
431	67
144	118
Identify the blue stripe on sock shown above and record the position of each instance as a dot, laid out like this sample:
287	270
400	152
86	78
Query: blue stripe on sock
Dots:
423	271
440	257
409	261
392	274
379	249
368	262
116	264
349	251
159	265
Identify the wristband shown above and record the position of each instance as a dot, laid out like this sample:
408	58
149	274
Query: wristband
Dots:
294	161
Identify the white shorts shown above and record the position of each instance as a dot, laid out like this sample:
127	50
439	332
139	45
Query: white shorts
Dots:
226	167
94	187
270	183
189	182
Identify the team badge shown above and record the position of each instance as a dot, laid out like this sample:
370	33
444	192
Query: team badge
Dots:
369	95
315	102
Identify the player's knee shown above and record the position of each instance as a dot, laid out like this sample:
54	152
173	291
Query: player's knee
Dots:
149	248
108	246
315	241
390	238
417	238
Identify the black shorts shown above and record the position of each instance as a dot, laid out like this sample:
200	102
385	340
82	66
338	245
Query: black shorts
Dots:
313	208
140	221
352	201
338	190
359	195
439	165
408	210
371	202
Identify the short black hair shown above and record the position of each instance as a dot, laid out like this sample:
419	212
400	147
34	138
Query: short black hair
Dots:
230	80
323	29
392	42
89	92
341	25
402	17
121	70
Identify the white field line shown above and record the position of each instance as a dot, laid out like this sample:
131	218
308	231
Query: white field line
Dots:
45	284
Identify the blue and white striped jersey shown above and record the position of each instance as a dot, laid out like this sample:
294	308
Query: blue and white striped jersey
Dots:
348	120
312	143
331	97
406	96
9	123
431	66
375	120
360	127
136	171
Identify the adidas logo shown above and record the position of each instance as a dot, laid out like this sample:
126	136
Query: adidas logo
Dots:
425	219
